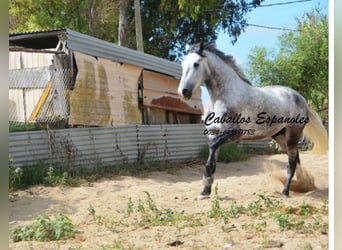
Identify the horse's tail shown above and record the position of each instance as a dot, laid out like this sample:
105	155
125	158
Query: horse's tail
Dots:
317	133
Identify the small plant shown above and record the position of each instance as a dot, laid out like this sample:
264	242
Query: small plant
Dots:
322	227
215	205
117	245
235	210
56	177
130	206
152	207
282	220
307	246
91	210
45	229
304	210
150	215
262	205
15	175
260	227
216	211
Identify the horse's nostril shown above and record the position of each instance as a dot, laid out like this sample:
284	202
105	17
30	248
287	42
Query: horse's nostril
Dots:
187	93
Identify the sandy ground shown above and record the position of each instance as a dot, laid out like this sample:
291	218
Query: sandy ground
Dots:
239	182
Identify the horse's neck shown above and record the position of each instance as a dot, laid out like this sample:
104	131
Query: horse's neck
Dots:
223	81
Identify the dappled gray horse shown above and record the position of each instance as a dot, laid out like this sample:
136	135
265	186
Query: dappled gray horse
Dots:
237	110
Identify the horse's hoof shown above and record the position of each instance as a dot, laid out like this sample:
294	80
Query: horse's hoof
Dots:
202	197
285	194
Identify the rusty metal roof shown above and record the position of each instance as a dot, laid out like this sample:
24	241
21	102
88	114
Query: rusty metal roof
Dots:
95	47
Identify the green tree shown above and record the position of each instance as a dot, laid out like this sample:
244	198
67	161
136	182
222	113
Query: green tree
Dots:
167	25
98	18
301	62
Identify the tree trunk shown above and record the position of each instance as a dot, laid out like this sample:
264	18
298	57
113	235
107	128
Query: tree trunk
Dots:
138	26
89	17
123	23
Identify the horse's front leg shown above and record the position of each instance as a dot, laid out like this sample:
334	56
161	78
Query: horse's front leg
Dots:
210	166
209	170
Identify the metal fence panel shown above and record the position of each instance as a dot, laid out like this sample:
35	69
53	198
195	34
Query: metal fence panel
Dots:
26	148
88	147
91	147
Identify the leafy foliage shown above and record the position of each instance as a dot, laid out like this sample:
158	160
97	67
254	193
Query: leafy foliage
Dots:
176	23
151	215
14	175
167	25
301	62
63	175
94	17
45	229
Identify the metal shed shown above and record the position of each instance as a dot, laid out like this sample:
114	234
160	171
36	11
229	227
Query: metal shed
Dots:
101	83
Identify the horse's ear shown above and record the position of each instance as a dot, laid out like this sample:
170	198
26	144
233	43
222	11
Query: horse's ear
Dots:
187	48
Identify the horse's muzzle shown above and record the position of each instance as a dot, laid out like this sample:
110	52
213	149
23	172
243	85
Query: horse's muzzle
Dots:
187	93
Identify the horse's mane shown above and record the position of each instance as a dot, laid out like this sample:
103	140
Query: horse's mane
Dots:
228	59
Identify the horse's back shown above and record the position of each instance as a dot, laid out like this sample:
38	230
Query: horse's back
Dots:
285	96
280	91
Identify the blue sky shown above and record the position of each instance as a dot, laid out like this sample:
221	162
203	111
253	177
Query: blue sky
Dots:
281	16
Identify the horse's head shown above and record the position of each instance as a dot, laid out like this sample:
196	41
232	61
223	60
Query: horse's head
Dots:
193	70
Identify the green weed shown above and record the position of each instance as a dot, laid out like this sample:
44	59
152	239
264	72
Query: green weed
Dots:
307	246
216	211
150	215
56	175
45	229
263	204
235	210
282	220
15	175
259	226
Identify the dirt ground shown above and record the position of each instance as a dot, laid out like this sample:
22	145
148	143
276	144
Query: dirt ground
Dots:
239	183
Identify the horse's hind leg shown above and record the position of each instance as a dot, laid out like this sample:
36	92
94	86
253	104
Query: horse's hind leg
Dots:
292	138
293	160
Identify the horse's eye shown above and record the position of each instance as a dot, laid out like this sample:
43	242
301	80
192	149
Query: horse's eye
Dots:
196	65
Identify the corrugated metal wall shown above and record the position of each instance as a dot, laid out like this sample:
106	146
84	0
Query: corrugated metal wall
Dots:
106	145
89	147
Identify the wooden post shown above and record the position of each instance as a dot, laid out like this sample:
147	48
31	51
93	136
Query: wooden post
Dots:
138	26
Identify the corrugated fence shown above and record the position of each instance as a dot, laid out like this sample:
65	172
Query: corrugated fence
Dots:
106	145
89	147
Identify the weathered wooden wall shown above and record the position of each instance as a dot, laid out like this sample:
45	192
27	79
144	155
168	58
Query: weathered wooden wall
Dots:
162	104
20	60
160	91
105	93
